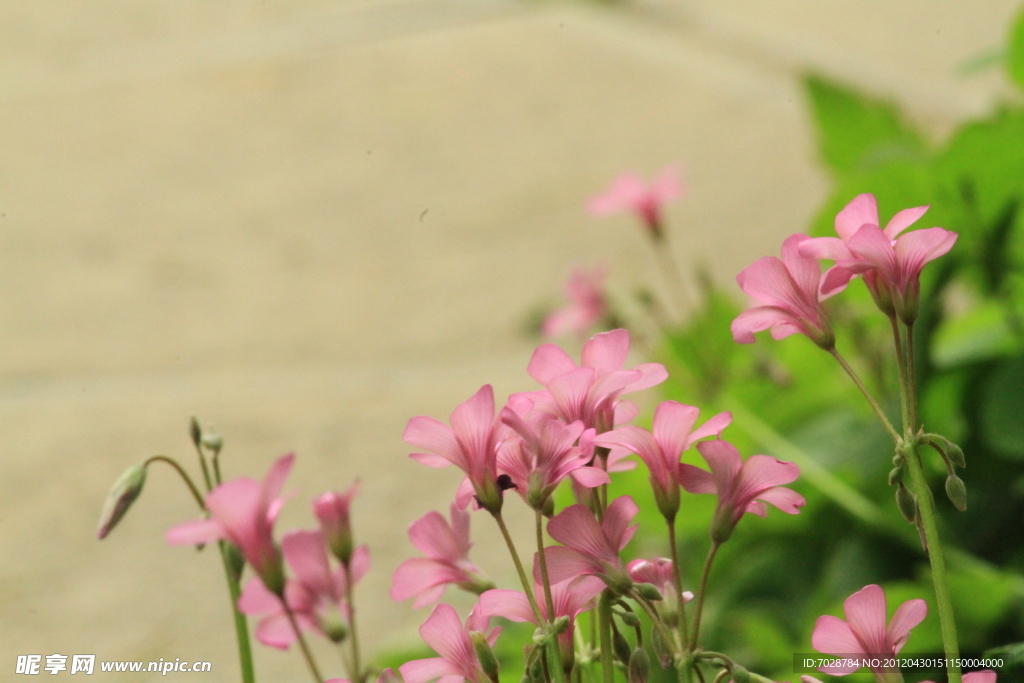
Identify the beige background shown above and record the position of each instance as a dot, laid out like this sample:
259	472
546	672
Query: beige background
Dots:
306	222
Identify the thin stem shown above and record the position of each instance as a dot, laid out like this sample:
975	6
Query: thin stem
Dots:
303	645
353	632
867	394
655	619
604	615
911	378
184	476
703	591
206	468
926	508
527	587
544	566
216	467
901	365
677	577
241	625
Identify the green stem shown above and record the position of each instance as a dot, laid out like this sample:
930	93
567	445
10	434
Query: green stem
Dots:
867	394
911	379
241	626
353	632
527	585
604	615
184	476
703	591
656	621
206	468
677	577
901	366
555	648
303	645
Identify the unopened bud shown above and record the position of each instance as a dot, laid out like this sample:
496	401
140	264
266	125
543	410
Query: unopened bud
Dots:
957	492
630	619
335	631
740	674
195	431
620	646
661	649
895	476
540	637
647	590
949	450
235	560
906	503
484	653
560	625
639	666
549	508
213	442
122	494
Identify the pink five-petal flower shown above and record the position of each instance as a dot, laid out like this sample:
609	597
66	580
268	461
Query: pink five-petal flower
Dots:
629	192
741	486
445	633
544	454
447	560
243	512
587	304
568	597
673	433
332	510
589	546
891	262
865	630
787	297
659	573
590	392
470	444
317	595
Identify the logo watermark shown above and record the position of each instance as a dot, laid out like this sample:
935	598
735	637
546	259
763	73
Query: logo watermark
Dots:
34	665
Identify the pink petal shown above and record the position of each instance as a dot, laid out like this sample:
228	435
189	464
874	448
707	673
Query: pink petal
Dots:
651	374
621	195
473	422
548	362
696	480
903	220
606	351
865	614
256	600
573	597
565	564
465	493
274	481
713	426
196	532
433	537
590	477
423	670
917	248
643	444
430	460
359	565
276	631
577	528
804	270
513	605
307	556
443	632
907	616
761	472
570	391
725	462
419	574
872	246
435	437
831	248
617	520
667	185
983	676
673	423
429	596
863	210
625	411
787	500
755	320
460	529
834	281
832	635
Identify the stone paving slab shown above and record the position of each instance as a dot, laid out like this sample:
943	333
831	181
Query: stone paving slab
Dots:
307	222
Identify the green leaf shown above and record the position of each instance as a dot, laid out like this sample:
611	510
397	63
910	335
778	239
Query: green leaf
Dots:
1015	52
983	332
1002	404
857	132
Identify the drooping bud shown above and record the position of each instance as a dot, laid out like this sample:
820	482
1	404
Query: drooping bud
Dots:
485	655
896	476
661	649
122	494
950	452
639	666
335	630
213	442
740	674
332	510
906	503
957	492
630	619
560	625
648	591
620	646
195	431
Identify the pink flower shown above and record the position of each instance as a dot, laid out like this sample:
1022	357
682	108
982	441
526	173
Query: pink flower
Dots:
243	512
629	192
673	434
657	572
317	595
865	631
787	295
470	444
589	546
332	509
446	562
386	676
891	264
741	486
444	632
569	597
590	393
584	290
544	455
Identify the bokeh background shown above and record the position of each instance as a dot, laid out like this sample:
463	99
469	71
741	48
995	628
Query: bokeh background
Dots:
306	222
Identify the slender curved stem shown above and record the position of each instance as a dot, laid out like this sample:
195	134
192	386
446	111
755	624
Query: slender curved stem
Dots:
184	476
901	365
655	619
527	587
206	468
303	645
677	571
550	603
911	378
353	632
604	615
241	625
867	394
703	591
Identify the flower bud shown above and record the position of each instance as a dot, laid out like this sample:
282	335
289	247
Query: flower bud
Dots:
630	619
335	631
648	591
235	560
484	653
195	431
949	450
896	476
540	637
560	624
620	646
332	510
957	492
740	674
661	649
639	666
906	503
213	442
122	494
